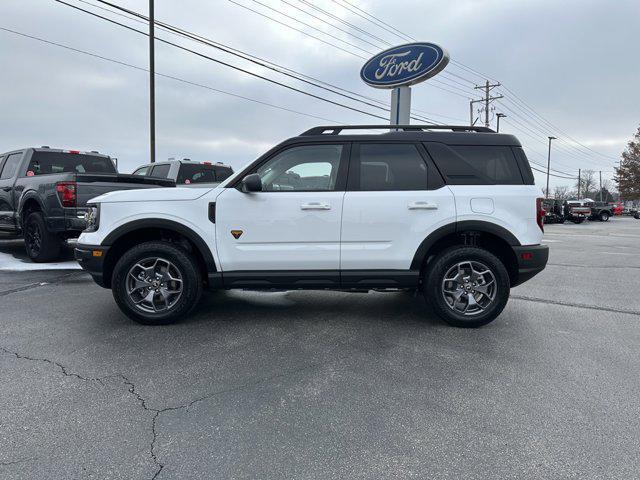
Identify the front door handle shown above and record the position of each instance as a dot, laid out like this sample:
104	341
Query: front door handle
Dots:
315	206
422	206
6	189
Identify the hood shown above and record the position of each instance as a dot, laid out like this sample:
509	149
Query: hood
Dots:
170	194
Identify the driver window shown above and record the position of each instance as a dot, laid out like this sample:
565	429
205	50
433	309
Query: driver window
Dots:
306	168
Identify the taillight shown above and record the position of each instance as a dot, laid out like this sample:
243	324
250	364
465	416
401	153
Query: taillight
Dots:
67	193
540	213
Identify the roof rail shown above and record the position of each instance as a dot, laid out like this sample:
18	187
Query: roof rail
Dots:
336	129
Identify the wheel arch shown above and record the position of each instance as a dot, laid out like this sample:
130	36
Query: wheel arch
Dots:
139	231
30	202
487	235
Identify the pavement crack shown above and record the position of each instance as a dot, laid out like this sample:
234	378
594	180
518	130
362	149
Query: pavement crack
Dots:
64	370
29	286
16	462
577	305
131	388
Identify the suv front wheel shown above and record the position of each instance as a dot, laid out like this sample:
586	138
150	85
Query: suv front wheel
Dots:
467	287
156	283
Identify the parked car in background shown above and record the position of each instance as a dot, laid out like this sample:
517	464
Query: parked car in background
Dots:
554	211
616	208
43	194
601	211
186	172
578	210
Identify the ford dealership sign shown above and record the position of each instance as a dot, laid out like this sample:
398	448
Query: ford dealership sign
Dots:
404	65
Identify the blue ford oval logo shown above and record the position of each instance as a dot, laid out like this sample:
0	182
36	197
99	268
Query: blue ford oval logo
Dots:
404	65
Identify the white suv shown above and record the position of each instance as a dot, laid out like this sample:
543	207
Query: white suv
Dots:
454	214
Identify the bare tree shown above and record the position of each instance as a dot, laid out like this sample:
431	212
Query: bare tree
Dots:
561	192
587	186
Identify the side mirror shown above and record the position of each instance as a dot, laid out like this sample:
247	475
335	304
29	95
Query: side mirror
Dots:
252	183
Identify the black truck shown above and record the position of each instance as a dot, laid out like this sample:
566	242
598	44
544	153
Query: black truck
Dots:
601	211
44	192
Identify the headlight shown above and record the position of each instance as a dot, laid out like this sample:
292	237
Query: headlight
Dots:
92	217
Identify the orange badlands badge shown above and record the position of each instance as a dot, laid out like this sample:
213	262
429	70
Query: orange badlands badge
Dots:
236	233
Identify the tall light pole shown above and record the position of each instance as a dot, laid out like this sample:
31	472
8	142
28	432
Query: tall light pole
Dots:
152	85
549	165
499	116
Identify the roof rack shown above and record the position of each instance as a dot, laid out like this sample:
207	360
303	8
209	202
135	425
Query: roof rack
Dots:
336	129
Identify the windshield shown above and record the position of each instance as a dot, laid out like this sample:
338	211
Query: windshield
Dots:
43	163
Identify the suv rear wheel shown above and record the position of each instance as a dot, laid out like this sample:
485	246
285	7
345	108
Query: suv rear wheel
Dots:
156	283
467	286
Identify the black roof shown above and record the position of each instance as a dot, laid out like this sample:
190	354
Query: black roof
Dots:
449	134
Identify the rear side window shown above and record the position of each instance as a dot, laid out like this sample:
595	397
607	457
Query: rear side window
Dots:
196	173
390	167
222	173
43	163
523	163
142	170
160	171
11	165
476	164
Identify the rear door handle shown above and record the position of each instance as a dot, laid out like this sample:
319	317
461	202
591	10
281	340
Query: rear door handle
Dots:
315	206
6	189
422	206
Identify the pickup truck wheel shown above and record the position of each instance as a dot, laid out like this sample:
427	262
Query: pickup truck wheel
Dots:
467	287
604	216
40	244
156	283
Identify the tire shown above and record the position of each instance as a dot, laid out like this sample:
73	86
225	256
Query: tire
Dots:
454	260
604	216
40	244
165	268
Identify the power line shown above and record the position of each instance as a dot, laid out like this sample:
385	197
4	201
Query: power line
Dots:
380	23
264	63
202	55
464	94
367	16
308	25
171	77
344	22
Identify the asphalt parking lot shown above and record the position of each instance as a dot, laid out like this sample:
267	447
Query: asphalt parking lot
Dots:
328	385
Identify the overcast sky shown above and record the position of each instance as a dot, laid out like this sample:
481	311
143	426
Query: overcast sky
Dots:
574	62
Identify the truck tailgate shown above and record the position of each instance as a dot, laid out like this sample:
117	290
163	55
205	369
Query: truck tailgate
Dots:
92	185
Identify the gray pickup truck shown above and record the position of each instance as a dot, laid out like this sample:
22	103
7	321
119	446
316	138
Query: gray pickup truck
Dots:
44	193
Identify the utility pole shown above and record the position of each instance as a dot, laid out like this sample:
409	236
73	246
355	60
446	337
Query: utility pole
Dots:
152	85
579	182
549	164
499	116
600	185
471	120
487	87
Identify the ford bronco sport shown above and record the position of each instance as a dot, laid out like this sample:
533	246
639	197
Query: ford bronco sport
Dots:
452	212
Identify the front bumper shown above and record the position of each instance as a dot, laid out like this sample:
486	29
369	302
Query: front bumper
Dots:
91	259
531	260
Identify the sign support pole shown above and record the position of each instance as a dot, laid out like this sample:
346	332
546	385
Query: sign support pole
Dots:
400	106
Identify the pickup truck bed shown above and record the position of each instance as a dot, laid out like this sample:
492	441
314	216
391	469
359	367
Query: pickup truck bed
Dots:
43	195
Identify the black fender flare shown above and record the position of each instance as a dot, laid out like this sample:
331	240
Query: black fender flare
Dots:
164	224
455	227
24	198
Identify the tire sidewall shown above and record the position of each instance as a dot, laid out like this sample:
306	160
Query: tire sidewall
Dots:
435	275
184	262
49	242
